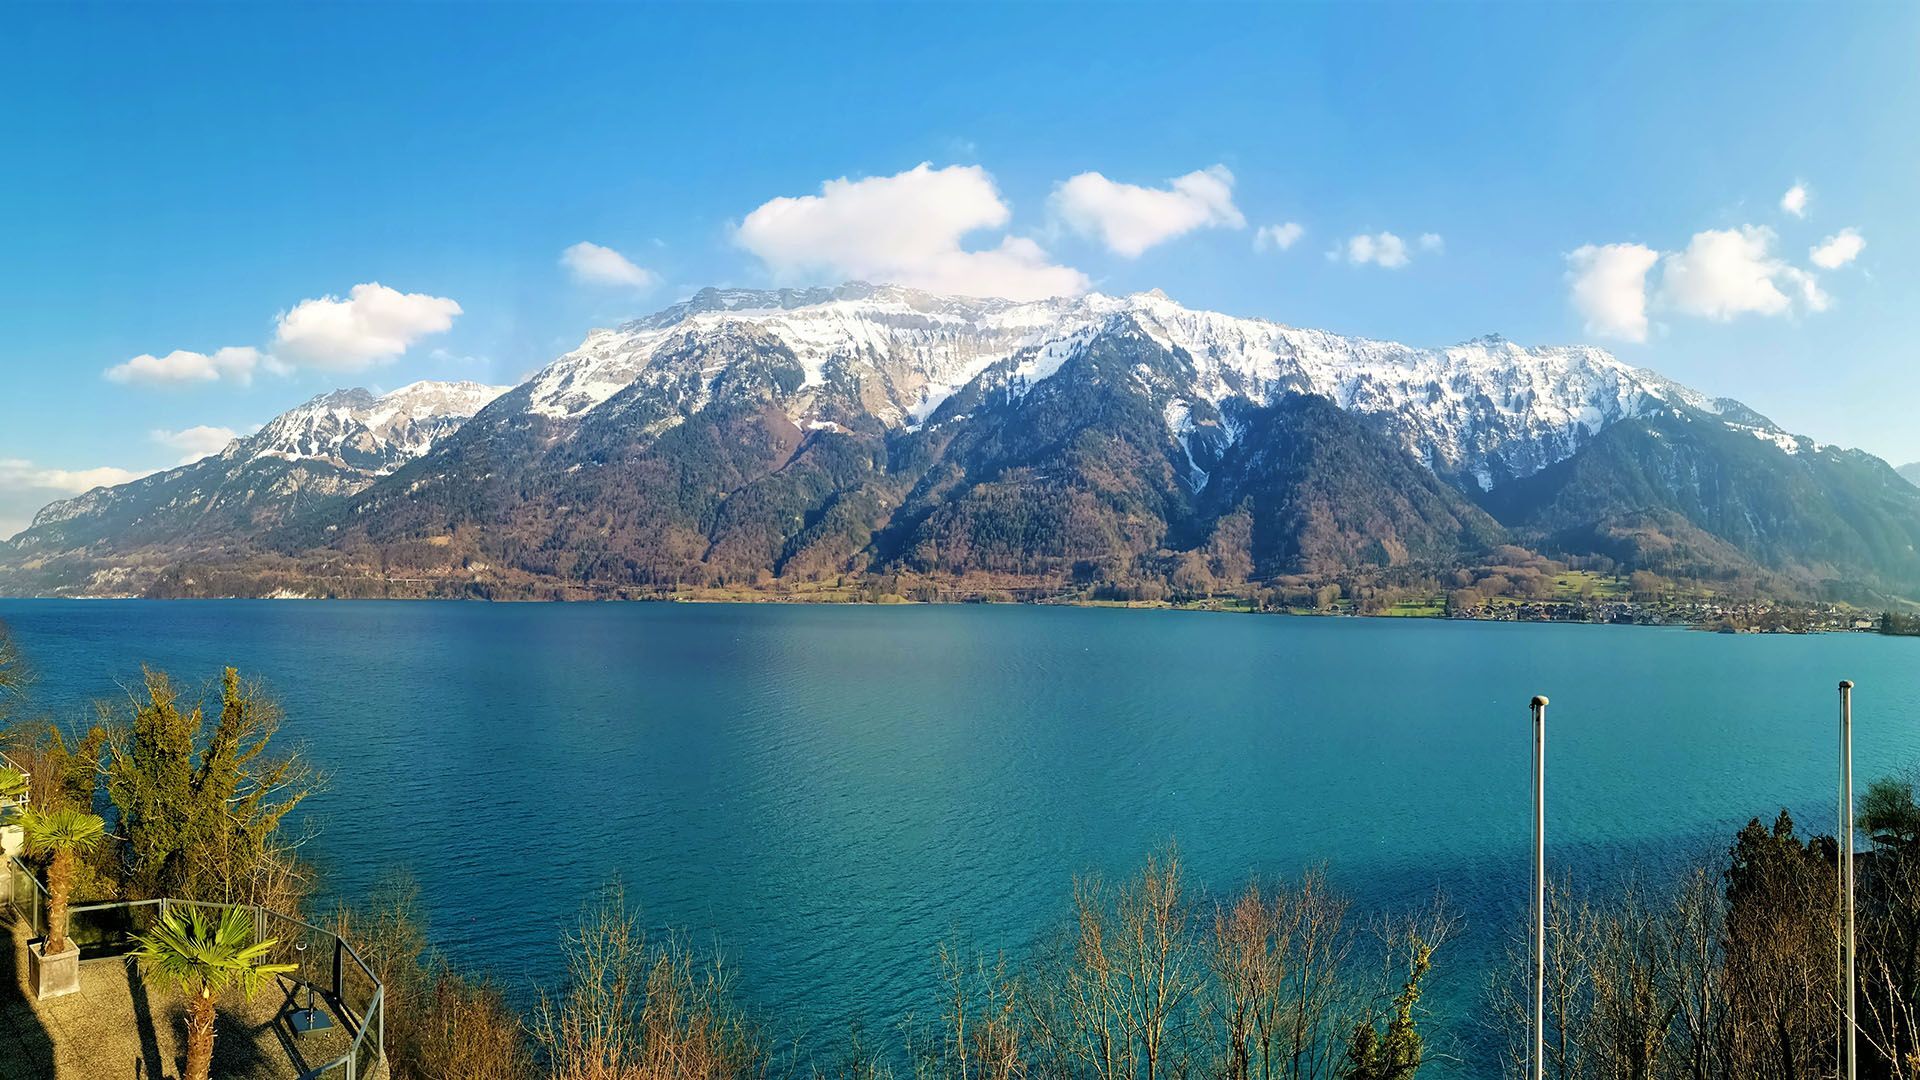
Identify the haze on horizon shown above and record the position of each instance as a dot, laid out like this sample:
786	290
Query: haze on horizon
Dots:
218	213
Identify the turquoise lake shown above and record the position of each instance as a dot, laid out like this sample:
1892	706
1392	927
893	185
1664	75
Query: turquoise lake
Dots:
830	792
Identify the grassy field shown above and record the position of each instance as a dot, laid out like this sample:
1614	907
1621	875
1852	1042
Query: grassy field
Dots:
1418	607
1574	584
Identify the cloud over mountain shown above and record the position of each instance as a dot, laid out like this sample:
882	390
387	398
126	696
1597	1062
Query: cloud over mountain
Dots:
196	442
592	264
373	323
1724	273
1380	249
181	366
1609	287
906	229
25	487
1129	219
1721	275
1277	237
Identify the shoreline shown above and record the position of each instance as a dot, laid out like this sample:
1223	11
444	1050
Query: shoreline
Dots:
1517	612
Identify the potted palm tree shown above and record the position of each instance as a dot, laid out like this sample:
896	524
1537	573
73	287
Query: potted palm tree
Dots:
202	960
59	836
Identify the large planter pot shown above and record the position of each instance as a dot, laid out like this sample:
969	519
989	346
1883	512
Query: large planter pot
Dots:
13	841
53	976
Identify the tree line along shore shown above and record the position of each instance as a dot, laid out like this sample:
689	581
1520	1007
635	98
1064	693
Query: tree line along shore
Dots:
1508	584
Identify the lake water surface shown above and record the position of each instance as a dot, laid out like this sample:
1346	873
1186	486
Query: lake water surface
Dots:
830	792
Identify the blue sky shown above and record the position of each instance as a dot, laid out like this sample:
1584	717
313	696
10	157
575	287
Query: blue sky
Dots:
177	180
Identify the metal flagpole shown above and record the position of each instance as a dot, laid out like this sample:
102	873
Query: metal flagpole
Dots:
1845	845
1539	887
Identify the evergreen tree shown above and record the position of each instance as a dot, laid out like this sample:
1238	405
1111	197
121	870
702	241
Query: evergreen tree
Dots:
199	817
1892	622
1396	1054
1889	814
74	766
1778	947
150	780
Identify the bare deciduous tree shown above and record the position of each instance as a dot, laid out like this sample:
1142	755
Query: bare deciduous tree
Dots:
637	1010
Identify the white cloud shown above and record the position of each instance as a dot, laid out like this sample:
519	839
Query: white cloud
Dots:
1805	287
905	229
234	363
1277	237
26	487
1837	250
1380	249
1721	274
1433	241
1129	219
196	442
448	357
1724	273
18	475
1609	288
592	264
373	324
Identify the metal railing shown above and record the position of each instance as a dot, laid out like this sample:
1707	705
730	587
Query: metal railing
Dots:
21	890
350	991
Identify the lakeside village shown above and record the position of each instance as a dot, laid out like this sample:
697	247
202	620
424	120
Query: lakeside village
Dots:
1584	597
1702	612
1547	594
1520	586
1528	588
1705	613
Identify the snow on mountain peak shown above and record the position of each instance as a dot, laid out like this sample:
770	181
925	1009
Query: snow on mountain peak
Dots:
357	430
362	436
1488	408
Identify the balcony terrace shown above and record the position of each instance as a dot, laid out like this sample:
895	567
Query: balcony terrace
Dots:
119	1026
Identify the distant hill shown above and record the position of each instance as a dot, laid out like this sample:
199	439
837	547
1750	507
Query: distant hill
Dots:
741	438
1910	471
303	461
1692	495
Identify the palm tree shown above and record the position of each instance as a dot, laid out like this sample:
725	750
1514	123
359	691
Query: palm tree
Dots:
13	786
61	835
201	960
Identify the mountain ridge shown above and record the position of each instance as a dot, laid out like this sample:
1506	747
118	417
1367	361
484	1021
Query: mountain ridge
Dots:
331	444
743	437
1463	404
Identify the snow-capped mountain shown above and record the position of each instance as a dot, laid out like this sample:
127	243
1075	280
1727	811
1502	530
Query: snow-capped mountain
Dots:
866	432
333	445
356	430
1487	409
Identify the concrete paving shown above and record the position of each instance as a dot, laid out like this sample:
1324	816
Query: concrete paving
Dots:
117	1027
